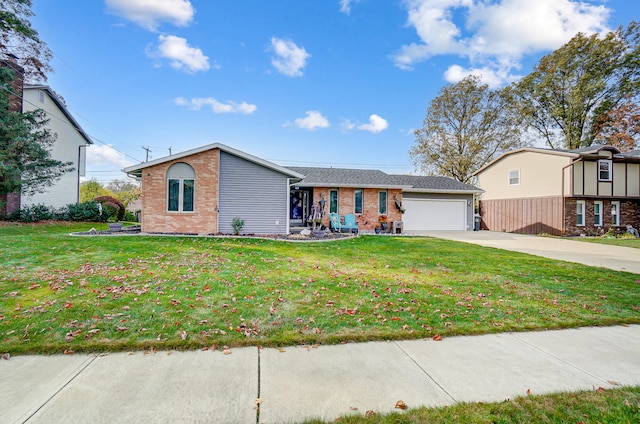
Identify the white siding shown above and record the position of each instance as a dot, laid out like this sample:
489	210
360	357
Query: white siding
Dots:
67	148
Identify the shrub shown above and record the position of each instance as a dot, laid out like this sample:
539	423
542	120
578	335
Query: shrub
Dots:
130	216
116	207
32	213
85	211
237	224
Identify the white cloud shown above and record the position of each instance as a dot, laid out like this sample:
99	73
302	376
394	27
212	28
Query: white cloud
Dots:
148	13
376	124
106	155
493	35
347	125
289	59
494	78
345	6
313	120
183	57
216	106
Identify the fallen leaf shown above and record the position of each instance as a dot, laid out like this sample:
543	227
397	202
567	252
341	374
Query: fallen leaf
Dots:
6	356
614	383
528	392
401	405
371	413
281	350
183	335
226	350
437	337
68	352
601	389
353	408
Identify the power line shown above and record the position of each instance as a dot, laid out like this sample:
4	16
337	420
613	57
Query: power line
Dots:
69	124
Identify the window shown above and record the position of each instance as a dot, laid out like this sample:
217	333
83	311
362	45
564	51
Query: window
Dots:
41	96
333	201
580	213
514	177
382	202
358	201
597	214
181	179
615	213
604	170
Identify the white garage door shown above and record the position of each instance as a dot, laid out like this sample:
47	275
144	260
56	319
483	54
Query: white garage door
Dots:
434	214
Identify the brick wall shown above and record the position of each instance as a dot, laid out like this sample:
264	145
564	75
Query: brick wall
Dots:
204	219
629	214
368	220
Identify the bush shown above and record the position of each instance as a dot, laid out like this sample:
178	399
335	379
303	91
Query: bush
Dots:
130	216
86	211
237	224
113	206
32	213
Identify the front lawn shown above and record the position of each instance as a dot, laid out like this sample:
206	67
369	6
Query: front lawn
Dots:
62	293
622	241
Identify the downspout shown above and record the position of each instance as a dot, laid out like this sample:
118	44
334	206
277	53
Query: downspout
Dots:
288	197
80	170
562	194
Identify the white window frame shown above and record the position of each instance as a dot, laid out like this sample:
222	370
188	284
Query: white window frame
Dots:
383	207
514	177
580	213
608	170
597	217
615	213
337	194
355	201
181	173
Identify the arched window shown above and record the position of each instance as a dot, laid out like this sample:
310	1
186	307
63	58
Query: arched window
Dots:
181	186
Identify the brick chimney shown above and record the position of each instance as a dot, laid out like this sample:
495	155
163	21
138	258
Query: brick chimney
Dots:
11	202
15	98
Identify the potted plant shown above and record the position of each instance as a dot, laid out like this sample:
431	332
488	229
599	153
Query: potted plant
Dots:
383	222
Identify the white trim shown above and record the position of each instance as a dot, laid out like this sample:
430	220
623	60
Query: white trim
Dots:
597	223
509	177
580	204
609	164
615	220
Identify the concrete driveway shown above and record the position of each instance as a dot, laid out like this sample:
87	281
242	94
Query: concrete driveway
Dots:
593	254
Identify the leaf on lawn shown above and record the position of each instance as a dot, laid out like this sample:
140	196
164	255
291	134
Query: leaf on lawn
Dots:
371	413
183	335
437	337
601	389
68	352
401	405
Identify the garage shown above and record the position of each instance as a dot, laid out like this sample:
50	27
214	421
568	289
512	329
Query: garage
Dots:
434	214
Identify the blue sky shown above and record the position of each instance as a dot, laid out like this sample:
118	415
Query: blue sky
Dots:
340	83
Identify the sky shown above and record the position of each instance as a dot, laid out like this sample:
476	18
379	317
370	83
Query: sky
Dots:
341	83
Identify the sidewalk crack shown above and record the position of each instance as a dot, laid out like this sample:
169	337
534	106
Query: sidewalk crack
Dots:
258	400
426	373
61	388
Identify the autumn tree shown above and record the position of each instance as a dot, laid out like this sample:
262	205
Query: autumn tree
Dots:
466	126
19	39
91	189
570	88
620	127
125	191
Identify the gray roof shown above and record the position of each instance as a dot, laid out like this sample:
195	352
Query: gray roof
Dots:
370	178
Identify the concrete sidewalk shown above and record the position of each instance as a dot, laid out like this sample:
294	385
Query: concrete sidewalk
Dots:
613	257
288	385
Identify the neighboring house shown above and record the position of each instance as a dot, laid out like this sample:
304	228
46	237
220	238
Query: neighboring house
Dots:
201	191
69	145
584	191
429	203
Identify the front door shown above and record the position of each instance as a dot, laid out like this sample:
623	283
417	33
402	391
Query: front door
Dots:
300	205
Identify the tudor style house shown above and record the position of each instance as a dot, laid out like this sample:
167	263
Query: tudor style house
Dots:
585	191
69	146
201	191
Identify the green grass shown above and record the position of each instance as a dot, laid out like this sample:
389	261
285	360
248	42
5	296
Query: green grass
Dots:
598	406
109	293
623	241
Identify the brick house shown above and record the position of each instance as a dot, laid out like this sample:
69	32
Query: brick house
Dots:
202	190
584	191
421	203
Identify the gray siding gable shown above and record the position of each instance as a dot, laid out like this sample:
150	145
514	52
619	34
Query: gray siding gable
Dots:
256	194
